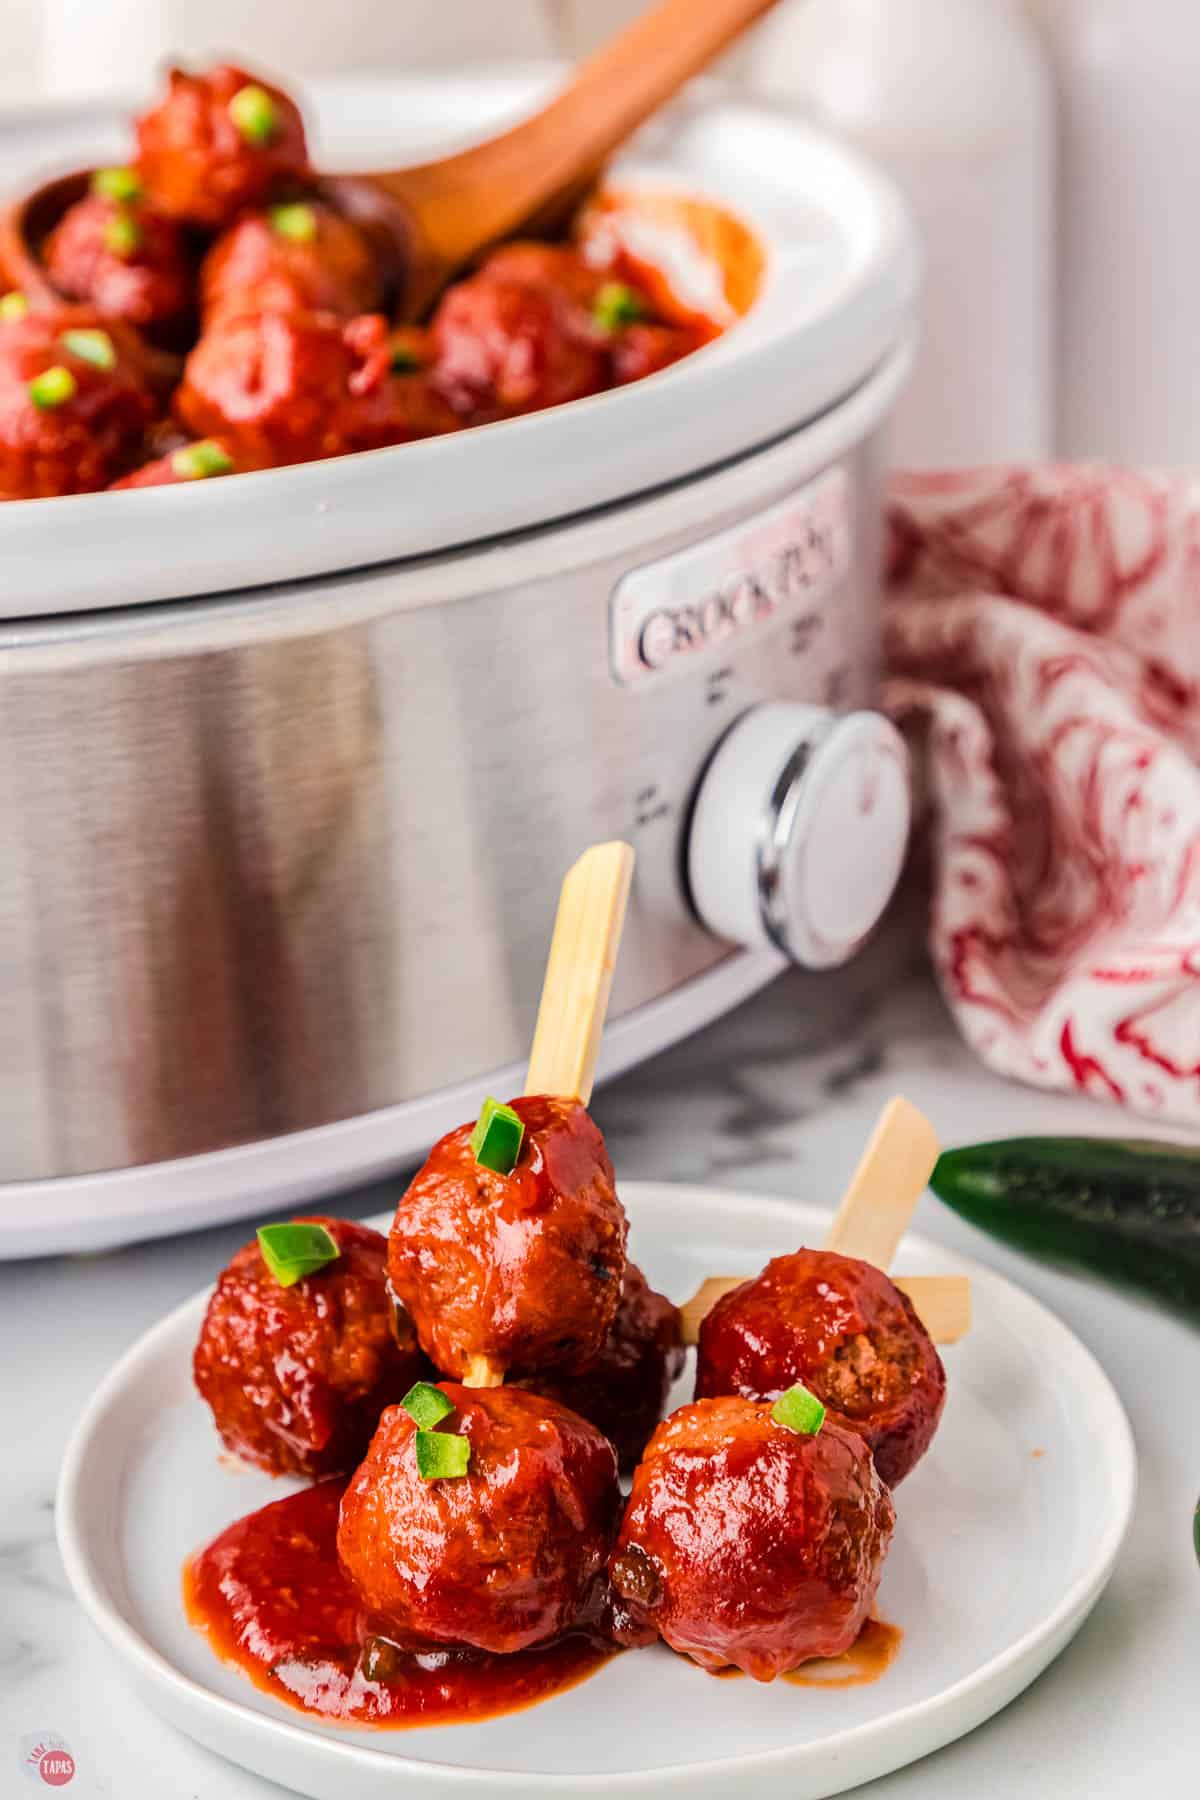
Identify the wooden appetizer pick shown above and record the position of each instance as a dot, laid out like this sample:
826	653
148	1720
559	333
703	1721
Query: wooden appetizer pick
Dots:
874	1214
575	990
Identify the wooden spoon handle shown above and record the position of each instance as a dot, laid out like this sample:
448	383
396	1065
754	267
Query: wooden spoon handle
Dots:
467	201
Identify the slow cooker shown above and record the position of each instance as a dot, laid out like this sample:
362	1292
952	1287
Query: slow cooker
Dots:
294	763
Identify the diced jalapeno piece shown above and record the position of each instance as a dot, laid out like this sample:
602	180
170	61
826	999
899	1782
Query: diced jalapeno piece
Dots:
254	113
53	387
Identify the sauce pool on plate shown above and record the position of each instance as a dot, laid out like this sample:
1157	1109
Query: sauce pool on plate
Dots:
873	1652
271	1597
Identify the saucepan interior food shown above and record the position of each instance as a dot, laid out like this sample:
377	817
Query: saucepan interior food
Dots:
300	756
284	295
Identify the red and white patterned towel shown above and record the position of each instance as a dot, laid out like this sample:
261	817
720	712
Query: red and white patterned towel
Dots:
1043	633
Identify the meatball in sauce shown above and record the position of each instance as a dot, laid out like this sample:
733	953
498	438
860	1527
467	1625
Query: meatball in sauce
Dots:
625	1389
506	346
130	261
298	257
504	1556
297	1377
525	1268
844	1330
747	1544
539	325
218	241
76	400
284	388
219	141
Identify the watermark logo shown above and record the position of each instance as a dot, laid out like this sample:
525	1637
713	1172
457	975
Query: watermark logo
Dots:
46	1759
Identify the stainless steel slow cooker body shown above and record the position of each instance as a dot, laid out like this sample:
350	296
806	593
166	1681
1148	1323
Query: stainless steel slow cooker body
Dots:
278	867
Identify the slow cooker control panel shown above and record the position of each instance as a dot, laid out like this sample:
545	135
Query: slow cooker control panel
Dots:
800	830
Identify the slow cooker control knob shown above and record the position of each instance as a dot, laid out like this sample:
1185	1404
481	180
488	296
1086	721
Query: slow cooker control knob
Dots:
800	829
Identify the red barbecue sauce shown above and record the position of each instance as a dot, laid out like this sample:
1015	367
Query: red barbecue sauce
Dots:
873	1652
271	1597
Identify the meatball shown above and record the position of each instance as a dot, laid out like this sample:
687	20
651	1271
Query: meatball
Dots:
188	462
625	1390
509	340
524	1269
508	1554
606	332
302	257
297	1377
124	257
219	142
549	266
620	314
75	402
293	387
843	1329
747	1543
642	349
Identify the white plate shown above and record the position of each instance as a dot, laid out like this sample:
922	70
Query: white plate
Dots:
1007	1534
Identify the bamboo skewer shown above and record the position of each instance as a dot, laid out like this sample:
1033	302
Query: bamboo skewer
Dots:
579	973
575	991
482	1372
873	1216
942	1302
693	1312
890	1178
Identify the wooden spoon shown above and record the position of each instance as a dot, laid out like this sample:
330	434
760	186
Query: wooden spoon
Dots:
440	215
461	204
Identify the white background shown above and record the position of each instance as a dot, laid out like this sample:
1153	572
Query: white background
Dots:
62	47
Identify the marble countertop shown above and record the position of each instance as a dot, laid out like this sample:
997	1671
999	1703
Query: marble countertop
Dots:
778	1097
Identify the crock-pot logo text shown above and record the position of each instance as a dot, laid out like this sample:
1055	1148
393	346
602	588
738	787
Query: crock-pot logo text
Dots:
745	598
732	584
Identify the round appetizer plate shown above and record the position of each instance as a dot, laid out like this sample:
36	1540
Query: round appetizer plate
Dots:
1006	1536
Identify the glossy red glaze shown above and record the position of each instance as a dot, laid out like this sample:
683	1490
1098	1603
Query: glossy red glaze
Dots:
272	1598
557	268
151	287
255	267
643	349
502	1558
871	1655
297	1377
393	406
748	1544
295	387
88	440
522	334
625	1389
845	1331
194	162
506	347
524	1268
